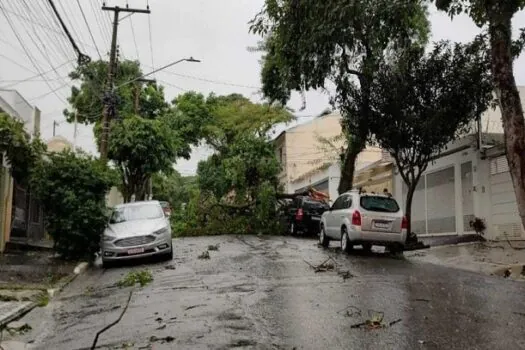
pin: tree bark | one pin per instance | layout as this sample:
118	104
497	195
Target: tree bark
348	166
408	207
500	30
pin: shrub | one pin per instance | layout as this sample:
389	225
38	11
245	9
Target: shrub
72	189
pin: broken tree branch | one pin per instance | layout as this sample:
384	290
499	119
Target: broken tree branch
113	323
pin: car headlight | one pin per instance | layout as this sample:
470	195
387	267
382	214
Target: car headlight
108	238
162	231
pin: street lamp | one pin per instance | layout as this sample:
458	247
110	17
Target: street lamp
191	59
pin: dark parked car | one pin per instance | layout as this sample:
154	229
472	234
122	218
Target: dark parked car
305	215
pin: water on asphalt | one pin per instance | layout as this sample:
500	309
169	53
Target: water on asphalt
261	293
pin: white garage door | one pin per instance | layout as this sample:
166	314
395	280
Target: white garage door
505	218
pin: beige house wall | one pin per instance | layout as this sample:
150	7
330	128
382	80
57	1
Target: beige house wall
58	144
301	151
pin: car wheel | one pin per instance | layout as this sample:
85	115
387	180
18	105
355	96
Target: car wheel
293	229
323	239
346	245
107	264
169	256
367	247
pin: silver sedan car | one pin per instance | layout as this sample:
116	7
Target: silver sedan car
136	230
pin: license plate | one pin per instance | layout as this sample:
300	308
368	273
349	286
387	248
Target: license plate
317	218
135	251
381	225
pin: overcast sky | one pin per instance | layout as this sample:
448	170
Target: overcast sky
213	31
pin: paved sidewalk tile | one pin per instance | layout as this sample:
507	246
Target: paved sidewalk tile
11	309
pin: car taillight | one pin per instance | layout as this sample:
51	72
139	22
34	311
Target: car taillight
299	214
404	223
356	218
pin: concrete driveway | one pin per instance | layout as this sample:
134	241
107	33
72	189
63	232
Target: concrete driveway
261	293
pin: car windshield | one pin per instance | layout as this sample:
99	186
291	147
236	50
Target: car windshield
136	212
378	203
310	204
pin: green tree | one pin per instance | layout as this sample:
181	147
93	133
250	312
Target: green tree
309	43
421	102
173	188
243	179
146	100
140	148
497	16
22	152
219	120
72	190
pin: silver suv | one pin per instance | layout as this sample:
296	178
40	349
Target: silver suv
364	219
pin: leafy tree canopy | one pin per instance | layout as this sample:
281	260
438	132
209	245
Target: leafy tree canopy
421	102
309	43
88	99
219	120
174	188
140	148
22	152
72	189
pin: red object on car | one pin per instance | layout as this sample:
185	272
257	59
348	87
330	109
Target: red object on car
299	215
404	223
356	218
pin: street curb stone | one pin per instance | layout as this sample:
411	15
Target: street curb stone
80	268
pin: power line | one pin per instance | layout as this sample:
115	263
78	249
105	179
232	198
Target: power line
104	35
210	80
172	85
150	38
82	58
42	48
89	29
134	38
27	52
59	41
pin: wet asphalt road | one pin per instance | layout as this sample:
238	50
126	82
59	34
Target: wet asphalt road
259	293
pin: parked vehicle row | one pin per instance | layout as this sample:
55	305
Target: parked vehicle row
364	219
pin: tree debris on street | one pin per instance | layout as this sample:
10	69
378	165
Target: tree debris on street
213	247
327	265
93	347
136	277
204	255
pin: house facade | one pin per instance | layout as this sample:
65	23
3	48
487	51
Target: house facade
469	179
310	155
21	216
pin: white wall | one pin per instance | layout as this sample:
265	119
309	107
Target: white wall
332	173
473	197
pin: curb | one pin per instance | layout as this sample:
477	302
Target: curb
446	246
80	268
18	314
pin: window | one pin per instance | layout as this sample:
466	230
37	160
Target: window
339	202
281	155
347	202
380	204
136	212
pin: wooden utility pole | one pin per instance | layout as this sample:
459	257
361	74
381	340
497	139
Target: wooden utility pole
109	98
55	124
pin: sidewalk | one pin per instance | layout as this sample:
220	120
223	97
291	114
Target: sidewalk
491	258
29	278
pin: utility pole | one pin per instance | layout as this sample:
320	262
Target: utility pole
109	98
55	124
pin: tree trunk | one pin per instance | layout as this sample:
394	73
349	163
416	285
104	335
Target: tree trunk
348	166
500	30
408	206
